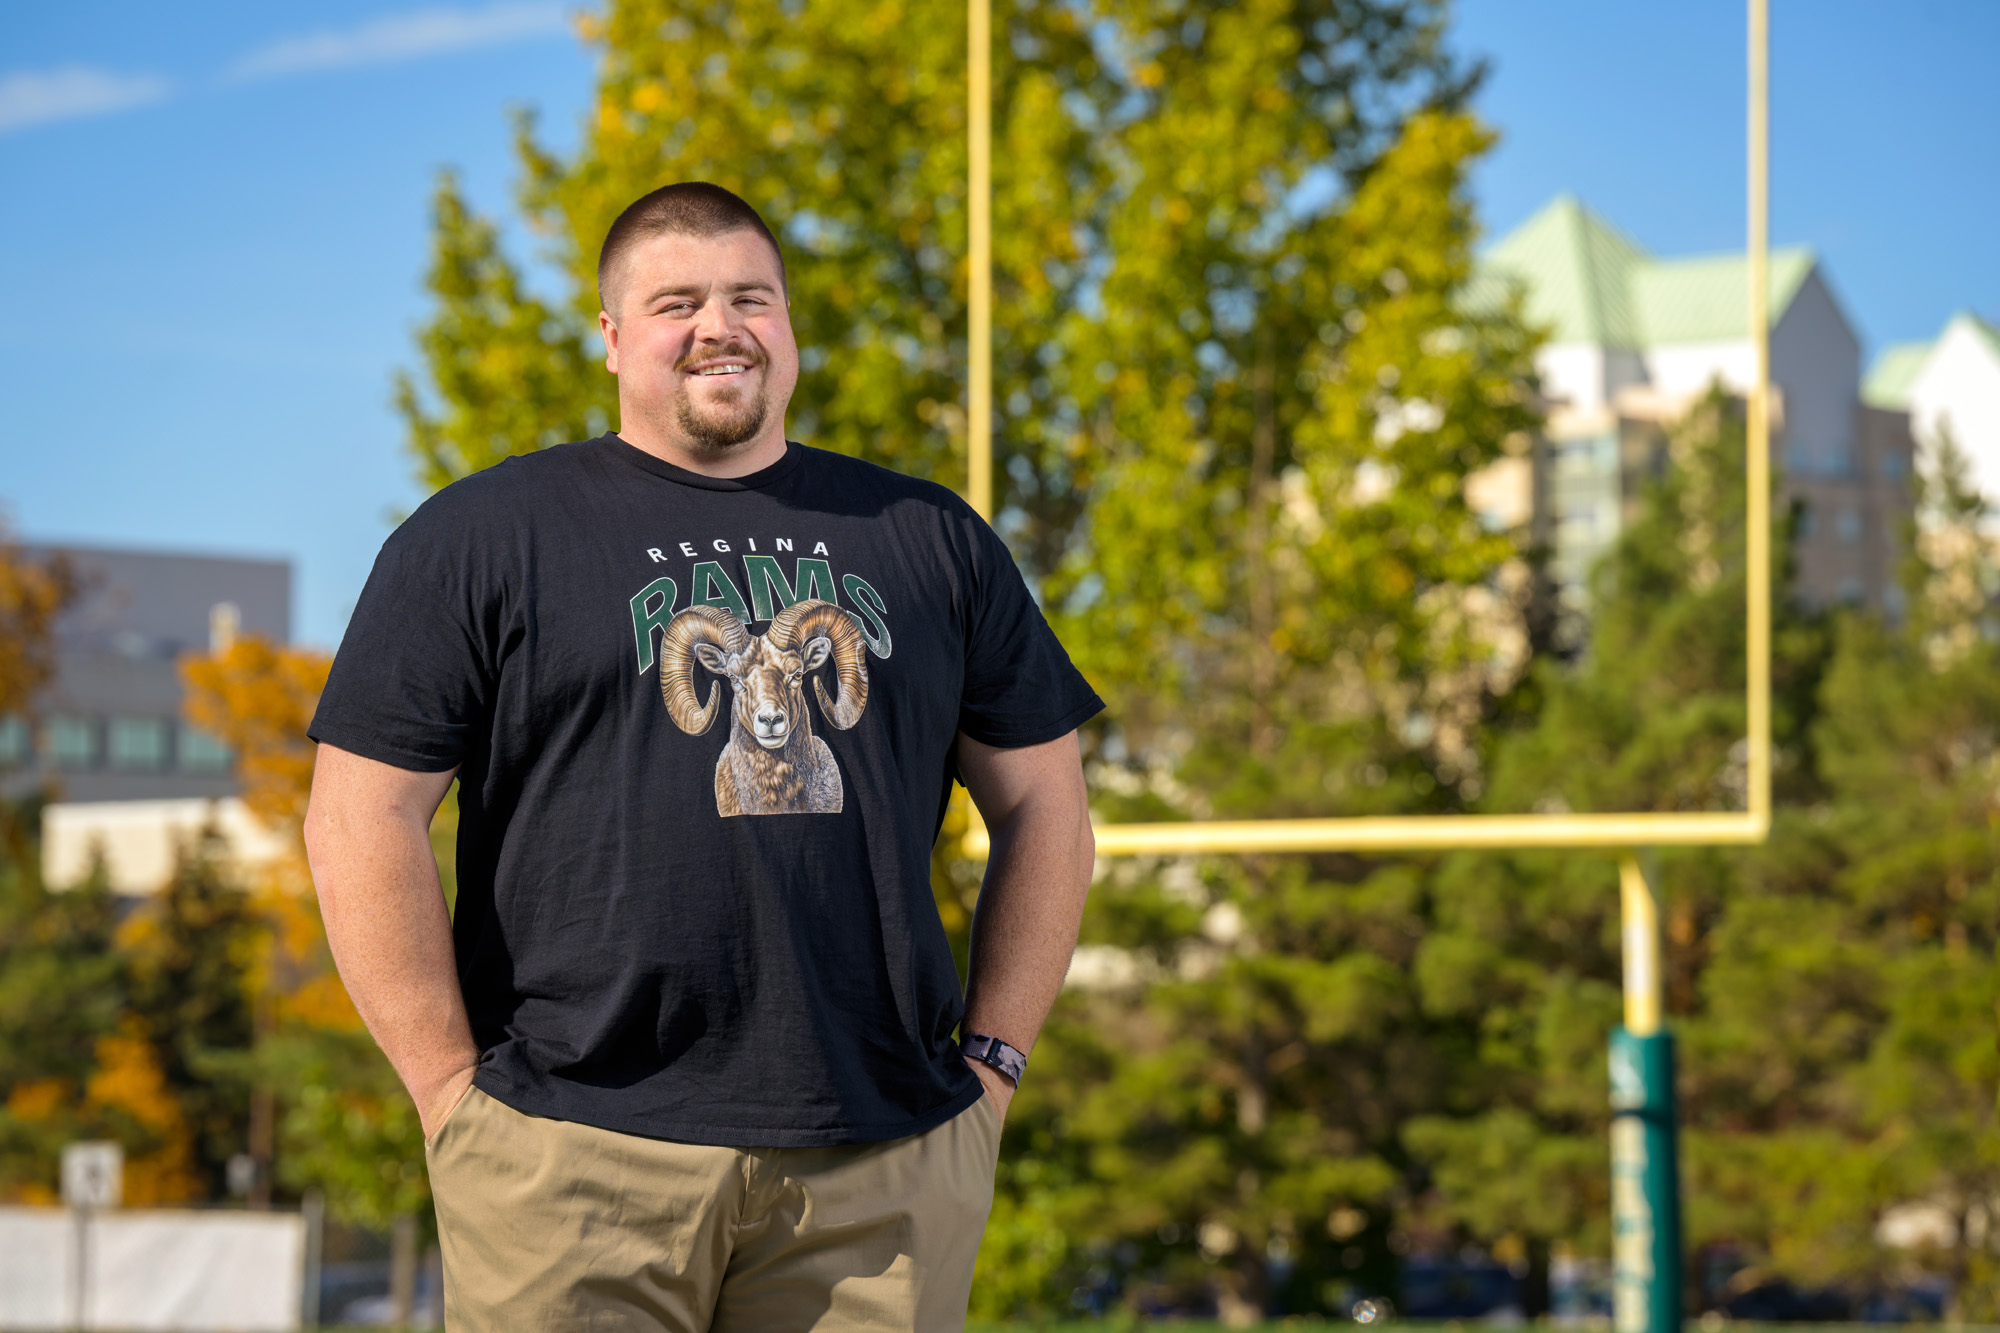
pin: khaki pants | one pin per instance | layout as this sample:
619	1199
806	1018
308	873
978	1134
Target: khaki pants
551	1226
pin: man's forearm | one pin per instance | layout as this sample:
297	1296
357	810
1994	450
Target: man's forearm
391	936
1030	907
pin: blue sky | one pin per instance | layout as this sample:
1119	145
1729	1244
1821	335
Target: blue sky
215	231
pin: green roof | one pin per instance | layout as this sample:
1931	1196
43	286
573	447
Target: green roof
1895	370
1589	283
1576	268
1704	299
1986	331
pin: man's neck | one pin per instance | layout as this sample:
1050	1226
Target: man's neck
753	455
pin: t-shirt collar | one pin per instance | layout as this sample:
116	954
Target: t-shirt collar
660	467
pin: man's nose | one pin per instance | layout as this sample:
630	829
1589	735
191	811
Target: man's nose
716	321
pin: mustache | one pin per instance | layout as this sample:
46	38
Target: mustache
709	351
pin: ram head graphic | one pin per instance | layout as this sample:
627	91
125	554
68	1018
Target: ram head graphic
773	764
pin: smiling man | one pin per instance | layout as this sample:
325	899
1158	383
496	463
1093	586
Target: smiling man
691	1052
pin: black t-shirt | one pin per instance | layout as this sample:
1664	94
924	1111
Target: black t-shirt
705	732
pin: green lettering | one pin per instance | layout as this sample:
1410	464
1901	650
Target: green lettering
766	579
713	588
821	586
873	613
644	622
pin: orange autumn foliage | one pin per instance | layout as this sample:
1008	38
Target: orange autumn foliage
129	1079
33	593
259	698
37	1099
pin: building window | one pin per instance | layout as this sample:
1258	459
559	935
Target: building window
1847	526
1808	520
70	742
138	744
16	742
202	753
1849	593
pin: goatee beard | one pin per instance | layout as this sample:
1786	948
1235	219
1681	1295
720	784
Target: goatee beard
722	430
730	421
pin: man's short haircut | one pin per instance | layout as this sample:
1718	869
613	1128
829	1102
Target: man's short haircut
686	208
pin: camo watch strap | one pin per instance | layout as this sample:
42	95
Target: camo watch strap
995	1052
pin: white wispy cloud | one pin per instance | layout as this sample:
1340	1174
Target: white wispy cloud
426	32
35	97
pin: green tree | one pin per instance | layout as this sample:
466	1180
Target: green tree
61	992
1834	991
1525	948
1841	1054
191	954
1910	744
847	127
1279	585
60	988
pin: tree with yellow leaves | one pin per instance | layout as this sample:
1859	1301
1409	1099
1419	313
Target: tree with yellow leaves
104	1028
33	593
343	1123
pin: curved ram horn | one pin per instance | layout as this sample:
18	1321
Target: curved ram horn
697	624
801	623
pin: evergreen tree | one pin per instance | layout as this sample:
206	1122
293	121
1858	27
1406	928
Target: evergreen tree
1526	947
61	992
1910	744
190	953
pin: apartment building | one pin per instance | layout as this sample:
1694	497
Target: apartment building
1635	340
1949	386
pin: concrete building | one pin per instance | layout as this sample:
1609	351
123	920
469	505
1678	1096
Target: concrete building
1634	340
1949	385
130	778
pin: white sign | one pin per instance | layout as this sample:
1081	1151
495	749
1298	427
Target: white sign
93	1175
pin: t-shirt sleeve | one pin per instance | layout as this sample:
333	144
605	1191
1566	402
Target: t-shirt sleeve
412	682
1020	686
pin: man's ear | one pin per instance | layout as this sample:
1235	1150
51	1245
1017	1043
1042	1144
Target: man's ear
606	327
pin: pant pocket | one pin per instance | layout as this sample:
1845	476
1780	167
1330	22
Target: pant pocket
986	1119
450	1118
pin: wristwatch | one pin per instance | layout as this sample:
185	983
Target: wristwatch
995	1052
